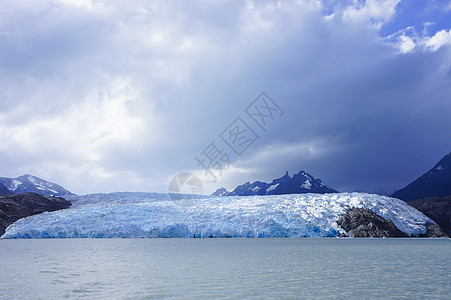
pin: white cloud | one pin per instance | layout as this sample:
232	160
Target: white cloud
406	44
84	134
408	39
100	120
440	39
258	16
79	3
374	12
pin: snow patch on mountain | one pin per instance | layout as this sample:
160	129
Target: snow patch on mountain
256	189
33	180
272	187
307	184
29	183
155	215
14	184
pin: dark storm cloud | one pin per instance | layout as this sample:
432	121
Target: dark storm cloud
112	96
375	126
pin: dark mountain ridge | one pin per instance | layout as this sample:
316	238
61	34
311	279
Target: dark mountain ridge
31	184
434	183
300	183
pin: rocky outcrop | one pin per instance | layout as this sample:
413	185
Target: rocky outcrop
361	222
438	209
434	231
364	223
15	207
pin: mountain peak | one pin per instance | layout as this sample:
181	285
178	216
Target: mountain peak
300	183
284	178
434	183
445	161
220	192
30	183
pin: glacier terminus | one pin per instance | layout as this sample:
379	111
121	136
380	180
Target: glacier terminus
153	215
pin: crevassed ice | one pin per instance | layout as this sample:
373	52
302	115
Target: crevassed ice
155	215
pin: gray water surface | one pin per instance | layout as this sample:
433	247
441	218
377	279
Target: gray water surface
225	268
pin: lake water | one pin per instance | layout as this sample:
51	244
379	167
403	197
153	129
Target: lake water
225	268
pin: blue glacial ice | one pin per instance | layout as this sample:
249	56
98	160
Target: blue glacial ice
156	215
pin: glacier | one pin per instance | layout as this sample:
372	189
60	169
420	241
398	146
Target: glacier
153	215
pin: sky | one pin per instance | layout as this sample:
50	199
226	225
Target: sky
105	96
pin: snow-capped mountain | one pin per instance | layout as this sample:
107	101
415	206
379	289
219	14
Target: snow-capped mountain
220	192
29	183
156	215
300	183
434	183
